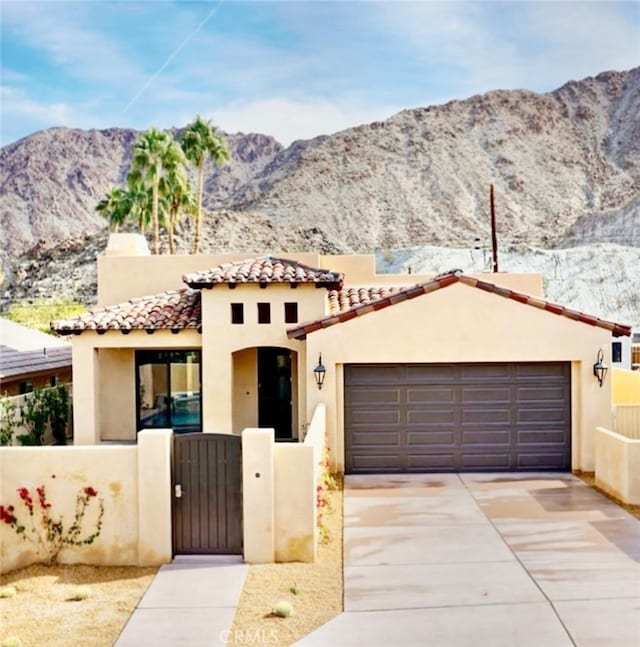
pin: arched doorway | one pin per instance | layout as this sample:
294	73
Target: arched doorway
266	390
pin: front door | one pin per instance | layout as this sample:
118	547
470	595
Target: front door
274	391
207	494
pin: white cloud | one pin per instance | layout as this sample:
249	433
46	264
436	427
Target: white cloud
288	120
535	45
70	35
16	103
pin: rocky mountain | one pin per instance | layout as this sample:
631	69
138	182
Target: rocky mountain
565	165
51	181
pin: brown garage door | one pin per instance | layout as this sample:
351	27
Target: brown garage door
457	417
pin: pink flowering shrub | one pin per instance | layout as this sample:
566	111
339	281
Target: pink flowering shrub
46	531
326	483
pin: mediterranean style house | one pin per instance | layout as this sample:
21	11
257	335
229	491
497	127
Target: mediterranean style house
455	372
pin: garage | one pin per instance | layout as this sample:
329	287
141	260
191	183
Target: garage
457	417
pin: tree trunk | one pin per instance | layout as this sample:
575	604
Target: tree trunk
154	215
172	245
198	234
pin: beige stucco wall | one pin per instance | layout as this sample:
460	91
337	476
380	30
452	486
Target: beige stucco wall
245	394
117	389
134	482
222	341
123	277
617	467
279	494
463	324
360	270
104	380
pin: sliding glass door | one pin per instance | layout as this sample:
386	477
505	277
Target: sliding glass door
168	390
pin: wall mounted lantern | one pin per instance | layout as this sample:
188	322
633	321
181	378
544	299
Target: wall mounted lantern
600	368
319	372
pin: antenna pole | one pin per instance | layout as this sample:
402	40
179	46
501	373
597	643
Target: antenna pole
494	237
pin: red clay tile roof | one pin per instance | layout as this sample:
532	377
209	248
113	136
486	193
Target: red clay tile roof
264	271
175	311
348	298
348	304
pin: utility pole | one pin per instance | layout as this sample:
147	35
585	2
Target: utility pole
494	238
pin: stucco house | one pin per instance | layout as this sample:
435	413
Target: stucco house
30	359
449	373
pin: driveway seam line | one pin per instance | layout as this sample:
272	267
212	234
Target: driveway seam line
526	570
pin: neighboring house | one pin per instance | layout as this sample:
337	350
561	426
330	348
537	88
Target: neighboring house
448	373
621	353
30	359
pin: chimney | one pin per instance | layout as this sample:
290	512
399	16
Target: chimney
129	244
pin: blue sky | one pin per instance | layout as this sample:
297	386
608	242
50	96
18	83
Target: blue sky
292	69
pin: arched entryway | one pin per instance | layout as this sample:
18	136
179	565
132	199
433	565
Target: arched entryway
265	383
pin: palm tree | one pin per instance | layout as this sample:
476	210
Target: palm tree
155	155
138	203
201	139
115	207
179	198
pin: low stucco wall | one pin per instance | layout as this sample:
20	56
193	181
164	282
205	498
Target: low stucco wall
625	386
626	420
618	465
133	481
279	483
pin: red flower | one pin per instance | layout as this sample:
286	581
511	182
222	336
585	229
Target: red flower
6	516
89	491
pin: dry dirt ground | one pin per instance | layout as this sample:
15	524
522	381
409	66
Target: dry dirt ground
42	612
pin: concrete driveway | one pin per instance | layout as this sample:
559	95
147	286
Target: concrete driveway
485	560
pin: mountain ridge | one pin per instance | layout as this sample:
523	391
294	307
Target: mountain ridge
565	165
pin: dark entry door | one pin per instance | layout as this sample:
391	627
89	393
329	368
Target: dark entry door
274	391
207	496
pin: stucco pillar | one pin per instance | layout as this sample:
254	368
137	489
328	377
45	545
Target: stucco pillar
154	497
258	498
85	384
217	388
295	502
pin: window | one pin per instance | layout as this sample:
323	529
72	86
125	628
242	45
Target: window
291	313
616	352
237	313
168	390
264	313
54	380
25	387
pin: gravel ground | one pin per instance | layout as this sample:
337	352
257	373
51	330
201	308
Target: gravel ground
313	590
43	613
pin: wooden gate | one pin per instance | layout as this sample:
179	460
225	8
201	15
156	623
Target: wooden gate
207	496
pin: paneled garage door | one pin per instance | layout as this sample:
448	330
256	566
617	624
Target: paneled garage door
457	417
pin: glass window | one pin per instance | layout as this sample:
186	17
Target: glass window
168	384
237	313
616	352
264	313
291	312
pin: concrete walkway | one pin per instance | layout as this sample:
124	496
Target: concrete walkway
190	602
499	560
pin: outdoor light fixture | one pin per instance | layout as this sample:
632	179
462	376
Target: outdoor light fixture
319	372
600	368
